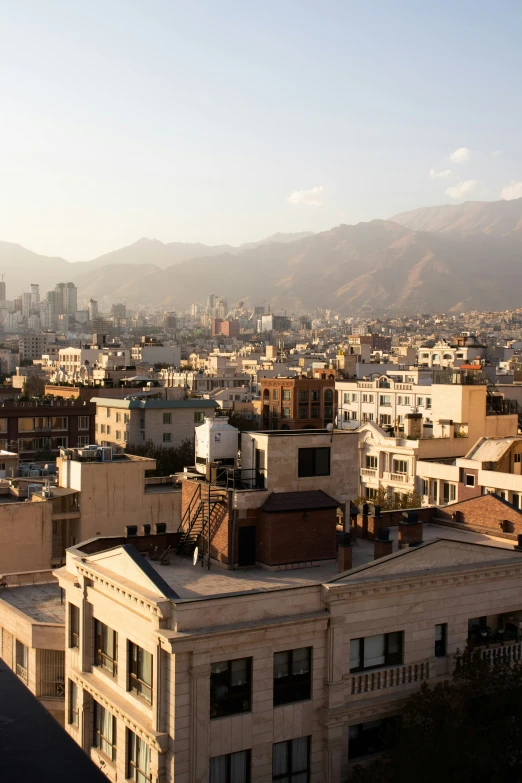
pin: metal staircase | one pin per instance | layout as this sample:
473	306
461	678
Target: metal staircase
197	517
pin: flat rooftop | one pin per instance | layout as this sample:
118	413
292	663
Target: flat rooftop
197	582
40	602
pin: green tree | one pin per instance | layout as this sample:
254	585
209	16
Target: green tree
468	730
406	500
34	386
168	460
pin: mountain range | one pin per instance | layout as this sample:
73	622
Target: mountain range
449	258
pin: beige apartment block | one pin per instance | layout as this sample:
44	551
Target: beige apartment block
32	635
93	497
176	673
140	419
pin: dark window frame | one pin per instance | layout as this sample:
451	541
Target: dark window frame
101	657
442	643
307	461
229	765
295	687
136	684
133	770
291	773
98	738
391	659
233	699
375	740
73	710
74	626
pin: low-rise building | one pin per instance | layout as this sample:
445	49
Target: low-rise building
298	403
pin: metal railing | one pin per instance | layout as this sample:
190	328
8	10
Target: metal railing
21	671
52	674
380	679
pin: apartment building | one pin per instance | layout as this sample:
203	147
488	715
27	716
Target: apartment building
32	346
150	351
443	354
32	636
30	427
141	418
459	414
298	403
96	494
174	673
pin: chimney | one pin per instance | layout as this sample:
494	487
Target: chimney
410	530
383	545
362	521
344	552
413	425
374	522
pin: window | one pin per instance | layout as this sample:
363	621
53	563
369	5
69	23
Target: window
83	422
108	413
371	461
420	401
22	661
59	443
385	419
140	672
118	417
365	739
275	394
125	436
354	398
516	500
470	480
108	429
231	768
285	413
313	462
105	648
370	652
52	674
292	675
82	440
328	396
517	458
303	395
385	399
449	492
303	412
371	493
399	400
59	422
3	425
286	394
441	633
370	398
315	395
425	488
73	712
400	466
126	418
118	434
315	413
354	415
407	401
167	418
199	417
167	437
291	761
138	758
102	428
74	626
230	687
346	397
428	402
104	734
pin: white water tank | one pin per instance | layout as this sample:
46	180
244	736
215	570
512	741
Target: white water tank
216	441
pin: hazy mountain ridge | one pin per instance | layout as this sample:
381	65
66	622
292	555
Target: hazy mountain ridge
468	259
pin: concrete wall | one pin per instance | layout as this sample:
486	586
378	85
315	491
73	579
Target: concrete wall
25	536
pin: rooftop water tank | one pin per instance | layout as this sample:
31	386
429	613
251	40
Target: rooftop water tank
216	441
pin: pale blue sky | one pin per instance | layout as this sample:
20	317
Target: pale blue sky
196	121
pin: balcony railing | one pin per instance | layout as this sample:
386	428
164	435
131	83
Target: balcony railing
510	651
368	682
22	672
368	472
402	478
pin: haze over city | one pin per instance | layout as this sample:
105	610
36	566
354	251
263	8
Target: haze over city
223	123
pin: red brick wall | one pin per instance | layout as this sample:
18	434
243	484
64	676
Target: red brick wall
292	538
486	511
464	492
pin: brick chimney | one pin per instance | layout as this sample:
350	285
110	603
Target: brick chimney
413	425
344	552
375	521
362	521
383	545
410	529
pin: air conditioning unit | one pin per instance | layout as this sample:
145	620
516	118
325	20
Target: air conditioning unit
104	454
87	453
160	527
146	530
131	531
32	489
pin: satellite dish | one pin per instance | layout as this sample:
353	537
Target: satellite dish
329	427
195	557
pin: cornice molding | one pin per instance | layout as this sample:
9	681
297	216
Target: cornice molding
124	593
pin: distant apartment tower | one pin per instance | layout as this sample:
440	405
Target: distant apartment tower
26	304
35	295
226	328
93	309
66	299
31	346
212	300
274	323
2	290
119	310
47	318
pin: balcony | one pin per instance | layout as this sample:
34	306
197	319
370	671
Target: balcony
370	472
392	677
399	478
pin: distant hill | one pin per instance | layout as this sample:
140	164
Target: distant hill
450	258
498	218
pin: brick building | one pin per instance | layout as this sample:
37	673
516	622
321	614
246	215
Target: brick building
297	403
28	427
228	328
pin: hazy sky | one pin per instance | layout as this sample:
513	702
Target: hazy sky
227	121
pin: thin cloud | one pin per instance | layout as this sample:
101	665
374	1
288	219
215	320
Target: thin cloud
461	155
308	198
511	191
496	153
463	189
447	174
